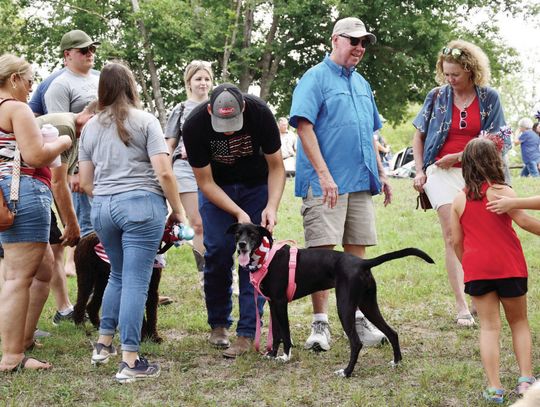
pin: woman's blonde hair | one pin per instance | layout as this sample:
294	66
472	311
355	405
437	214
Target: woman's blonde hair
117	93
469	56
194	67
11	64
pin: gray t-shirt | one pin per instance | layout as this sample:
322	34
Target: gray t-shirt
71	92
65	123
173	128
117	167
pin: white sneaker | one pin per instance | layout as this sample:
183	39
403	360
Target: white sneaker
319	340
367	332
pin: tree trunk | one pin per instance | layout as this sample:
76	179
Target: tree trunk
246	76
146	96
269	62
228	47
148	55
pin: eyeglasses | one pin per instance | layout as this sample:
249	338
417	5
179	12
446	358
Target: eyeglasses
454	52
357	40
30	81
86	50
462	122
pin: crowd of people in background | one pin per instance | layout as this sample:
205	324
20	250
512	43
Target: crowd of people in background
224	158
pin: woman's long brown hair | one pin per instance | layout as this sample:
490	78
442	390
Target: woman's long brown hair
481	162
117	93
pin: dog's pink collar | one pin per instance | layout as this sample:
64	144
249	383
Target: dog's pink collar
256	278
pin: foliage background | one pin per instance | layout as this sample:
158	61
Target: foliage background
267	43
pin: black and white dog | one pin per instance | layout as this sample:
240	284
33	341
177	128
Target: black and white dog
316	270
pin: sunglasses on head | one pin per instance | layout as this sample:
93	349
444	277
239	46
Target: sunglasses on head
357	40
454	52
462	122
86	50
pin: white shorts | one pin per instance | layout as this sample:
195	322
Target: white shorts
442	186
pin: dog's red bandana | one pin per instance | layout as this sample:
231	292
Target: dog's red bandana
256	278
259	255
159	260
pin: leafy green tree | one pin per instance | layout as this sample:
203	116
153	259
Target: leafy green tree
269	43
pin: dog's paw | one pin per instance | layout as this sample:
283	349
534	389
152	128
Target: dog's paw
270	355
393	364
284	358
340	373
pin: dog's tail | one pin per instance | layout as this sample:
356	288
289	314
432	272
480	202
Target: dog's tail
411	251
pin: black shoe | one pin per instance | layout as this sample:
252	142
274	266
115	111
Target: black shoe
58	318
142	370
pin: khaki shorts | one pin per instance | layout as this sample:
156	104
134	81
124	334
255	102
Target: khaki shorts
351	221
442	186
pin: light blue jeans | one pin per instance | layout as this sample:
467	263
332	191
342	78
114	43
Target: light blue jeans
130	226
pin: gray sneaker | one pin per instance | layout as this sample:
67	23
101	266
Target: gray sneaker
319	340
38	333
101	353
367	332
142	370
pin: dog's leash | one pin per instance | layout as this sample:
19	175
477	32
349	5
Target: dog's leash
256	280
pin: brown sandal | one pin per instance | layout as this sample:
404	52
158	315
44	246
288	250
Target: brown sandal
22	365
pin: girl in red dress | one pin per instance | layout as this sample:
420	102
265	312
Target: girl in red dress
493	263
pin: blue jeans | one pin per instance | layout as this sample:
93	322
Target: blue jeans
81	204
130	226
530	168
220	249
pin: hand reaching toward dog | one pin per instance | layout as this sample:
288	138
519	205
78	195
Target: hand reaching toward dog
268	219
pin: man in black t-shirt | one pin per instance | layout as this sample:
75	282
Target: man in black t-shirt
233	145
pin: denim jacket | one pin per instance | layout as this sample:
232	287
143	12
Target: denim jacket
435	117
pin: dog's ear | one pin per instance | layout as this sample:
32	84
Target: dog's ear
233	228
264	232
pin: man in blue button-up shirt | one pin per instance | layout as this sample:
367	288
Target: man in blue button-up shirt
338	169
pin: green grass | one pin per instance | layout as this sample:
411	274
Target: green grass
441	365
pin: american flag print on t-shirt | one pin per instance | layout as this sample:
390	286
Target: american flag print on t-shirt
227	151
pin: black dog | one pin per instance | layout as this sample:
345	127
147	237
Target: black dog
92	276
316	270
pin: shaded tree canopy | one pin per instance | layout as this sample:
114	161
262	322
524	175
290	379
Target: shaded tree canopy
266	43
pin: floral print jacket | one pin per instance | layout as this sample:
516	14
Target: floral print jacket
435	118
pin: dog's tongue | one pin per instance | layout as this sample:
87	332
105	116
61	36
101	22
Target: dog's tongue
243	259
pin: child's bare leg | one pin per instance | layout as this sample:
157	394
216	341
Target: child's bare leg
487	306
515	309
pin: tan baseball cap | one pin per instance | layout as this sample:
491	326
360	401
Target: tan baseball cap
353	27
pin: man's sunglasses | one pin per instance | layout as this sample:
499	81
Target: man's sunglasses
357	40
86	50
